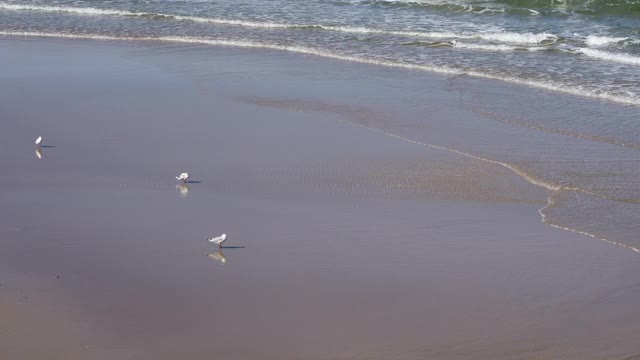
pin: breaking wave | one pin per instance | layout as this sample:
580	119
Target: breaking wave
629	8
594	40
611	56
508	37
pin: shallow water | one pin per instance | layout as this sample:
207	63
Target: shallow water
584	48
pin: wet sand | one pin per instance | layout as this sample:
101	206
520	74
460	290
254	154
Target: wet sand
348	243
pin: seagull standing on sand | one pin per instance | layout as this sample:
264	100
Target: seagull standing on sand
183	177
219	240
39	141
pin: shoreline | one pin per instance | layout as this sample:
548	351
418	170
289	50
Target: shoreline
356	245
524	174
440	70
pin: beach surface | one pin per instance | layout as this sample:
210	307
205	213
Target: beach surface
351	235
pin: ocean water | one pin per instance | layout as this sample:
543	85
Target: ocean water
587	48
577	123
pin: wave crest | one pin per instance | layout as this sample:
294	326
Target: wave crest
517	7
594	40
508	37
610	56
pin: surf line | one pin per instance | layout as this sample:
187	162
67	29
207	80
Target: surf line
555	189
548	86
511	37
550	202
496	117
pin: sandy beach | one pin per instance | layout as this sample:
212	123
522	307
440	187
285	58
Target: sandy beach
359	228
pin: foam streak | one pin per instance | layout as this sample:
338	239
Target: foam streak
611	56
516	38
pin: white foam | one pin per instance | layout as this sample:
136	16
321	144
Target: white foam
548	222
610	56
77	10
504	37
245	23
630	98
517	38
112	12
502	47
593	40
554	188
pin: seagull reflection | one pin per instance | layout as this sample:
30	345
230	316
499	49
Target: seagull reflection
184	189
39	153
218	256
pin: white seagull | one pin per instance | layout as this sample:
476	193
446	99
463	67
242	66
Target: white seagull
183	177
219	240
39	141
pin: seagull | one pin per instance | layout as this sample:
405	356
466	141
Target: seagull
219	256
183	177
219	240
39	141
